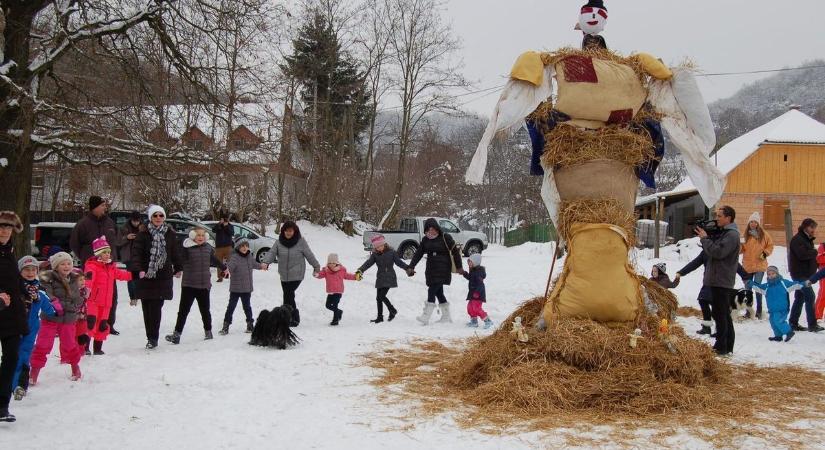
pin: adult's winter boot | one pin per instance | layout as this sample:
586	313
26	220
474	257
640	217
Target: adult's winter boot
424	318
706	324
98	348
207	335
393	312
378	319
76	372
151	345
173	338
225	329
6	416
250	325
445	313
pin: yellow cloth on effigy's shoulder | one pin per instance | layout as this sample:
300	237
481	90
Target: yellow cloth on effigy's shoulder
654	66
529	68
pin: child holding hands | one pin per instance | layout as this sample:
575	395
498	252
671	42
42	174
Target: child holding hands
334	274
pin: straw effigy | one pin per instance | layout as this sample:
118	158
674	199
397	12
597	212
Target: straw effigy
580	373
567	145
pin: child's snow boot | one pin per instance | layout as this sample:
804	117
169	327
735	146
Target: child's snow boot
33	373
76	372
473	323
445	313
424	318
775	338
225	329
19	393
487	323
98	348
250	325
6	416
207	335
173	338
789	336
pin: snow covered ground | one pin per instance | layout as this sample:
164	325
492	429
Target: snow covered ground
226	394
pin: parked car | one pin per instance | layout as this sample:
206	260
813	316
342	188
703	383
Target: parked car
411	230
259	244
49	238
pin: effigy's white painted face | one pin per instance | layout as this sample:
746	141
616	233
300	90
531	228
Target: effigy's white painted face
592	20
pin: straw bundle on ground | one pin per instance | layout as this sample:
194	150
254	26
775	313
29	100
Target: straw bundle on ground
607	210
567	145
579	373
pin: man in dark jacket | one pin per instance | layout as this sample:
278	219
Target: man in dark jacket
224	237
125	244
704	297
722	250
92	226
802	265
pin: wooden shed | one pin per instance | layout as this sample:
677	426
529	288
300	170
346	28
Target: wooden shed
776	168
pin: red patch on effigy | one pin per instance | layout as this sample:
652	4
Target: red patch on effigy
580	69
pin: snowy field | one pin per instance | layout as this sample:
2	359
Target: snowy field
226	394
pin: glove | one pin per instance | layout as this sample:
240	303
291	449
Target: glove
58	308
133	302
142	274
410	272
90	322
83	340
103	326
358	275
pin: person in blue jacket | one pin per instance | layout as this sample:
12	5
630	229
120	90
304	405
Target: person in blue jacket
36	301
776	292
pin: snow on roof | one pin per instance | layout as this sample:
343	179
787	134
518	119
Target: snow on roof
793	127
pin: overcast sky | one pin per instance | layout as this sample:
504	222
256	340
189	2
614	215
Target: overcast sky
718	35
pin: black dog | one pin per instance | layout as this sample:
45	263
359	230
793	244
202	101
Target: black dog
272	329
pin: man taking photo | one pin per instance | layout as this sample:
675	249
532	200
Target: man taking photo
722	250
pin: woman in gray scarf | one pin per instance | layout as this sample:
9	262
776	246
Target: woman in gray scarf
156	257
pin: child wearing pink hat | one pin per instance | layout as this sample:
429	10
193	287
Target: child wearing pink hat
101	273
384	257
334	274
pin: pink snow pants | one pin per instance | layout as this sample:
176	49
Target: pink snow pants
69	350
475	309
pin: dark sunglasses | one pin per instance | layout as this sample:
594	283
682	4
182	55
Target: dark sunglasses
6	225
158	215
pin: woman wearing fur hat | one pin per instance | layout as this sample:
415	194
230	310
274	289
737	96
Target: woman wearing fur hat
755	251
157	259
240	266
384	257
13	325
198	257
443	258
101	273
61	285
291	252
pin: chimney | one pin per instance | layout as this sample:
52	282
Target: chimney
794	107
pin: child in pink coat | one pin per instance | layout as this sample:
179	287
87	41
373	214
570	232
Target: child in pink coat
101	273
334	274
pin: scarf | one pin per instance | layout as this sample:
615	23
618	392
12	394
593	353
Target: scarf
157	253
30	291
296	236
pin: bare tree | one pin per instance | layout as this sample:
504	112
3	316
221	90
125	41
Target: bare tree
423	51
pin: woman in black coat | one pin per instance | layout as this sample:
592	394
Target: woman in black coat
13	320
443	256
157	258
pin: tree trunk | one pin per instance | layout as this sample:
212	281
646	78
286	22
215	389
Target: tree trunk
16	178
